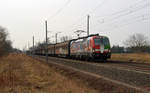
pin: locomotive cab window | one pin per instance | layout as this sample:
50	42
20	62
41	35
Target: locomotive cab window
98	41
106	41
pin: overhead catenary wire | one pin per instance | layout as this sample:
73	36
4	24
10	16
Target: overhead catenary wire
129	22
53	16
120	14
142	18
126	20
98	6
90	12
58	11
126	13
132	9
122	11
131	12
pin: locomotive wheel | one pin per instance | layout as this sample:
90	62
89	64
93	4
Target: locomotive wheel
87	59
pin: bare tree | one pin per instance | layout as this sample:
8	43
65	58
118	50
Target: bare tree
5	44
65	38
137	42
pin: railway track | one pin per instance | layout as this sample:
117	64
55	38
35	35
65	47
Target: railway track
129	66
137	67
134	74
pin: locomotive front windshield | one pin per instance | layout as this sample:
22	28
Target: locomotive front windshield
99	41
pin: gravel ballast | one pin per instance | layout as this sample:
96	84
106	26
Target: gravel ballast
130	77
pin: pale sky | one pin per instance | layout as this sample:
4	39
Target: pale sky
116	19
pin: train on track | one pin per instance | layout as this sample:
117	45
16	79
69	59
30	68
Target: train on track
87	48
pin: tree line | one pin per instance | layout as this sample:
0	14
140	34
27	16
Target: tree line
135	43
5	43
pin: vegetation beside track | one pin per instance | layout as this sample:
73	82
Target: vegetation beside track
132	57
22	74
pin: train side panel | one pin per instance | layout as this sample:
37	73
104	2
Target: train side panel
51	49
80	48
61	49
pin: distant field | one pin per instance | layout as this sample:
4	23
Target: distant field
22	74
138	57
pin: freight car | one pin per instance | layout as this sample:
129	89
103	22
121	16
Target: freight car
89	47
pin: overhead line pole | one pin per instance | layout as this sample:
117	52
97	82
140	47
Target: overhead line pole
56	37
33	41
46	50
88	24
28	45
33	45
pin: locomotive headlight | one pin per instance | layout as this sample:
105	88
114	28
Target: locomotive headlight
93	50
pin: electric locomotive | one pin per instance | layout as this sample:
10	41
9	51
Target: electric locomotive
91	47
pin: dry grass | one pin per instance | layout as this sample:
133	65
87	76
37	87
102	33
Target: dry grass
22	74
139	57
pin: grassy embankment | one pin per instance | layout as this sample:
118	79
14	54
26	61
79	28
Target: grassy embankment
22	74
135	57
